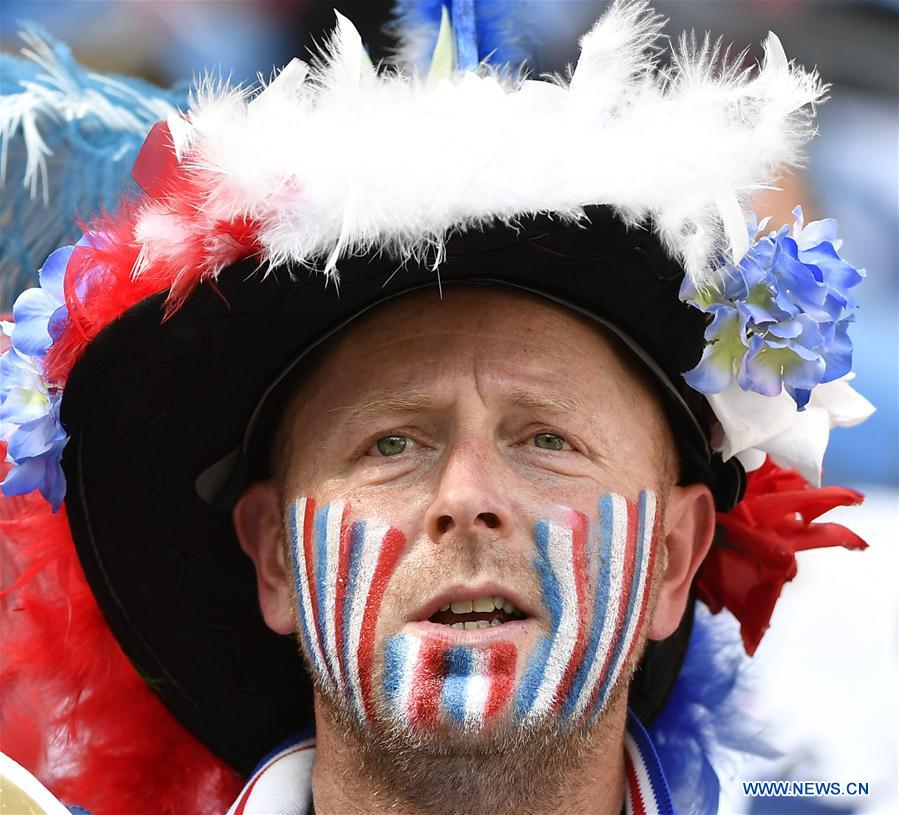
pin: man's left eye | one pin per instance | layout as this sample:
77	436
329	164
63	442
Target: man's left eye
549	441
389	446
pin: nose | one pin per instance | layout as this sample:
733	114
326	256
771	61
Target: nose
470	498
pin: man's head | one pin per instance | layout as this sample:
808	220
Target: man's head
486	445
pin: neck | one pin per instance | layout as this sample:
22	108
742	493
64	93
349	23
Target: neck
584	773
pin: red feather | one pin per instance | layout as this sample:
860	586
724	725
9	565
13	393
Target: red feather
73	710
747	568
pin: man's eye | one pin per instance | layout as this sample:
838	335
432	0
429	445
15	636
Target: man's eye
549	441
391	445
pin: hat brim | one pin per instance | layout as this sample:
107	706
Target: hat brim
154	404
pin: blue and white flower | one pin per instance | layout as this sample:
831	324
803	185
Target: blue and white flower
29	405
781	321
30	425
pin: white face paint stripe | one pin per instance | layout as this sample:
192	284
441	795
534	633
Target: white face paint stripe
646	518
619	535
368	561
413	649
559	546
335	519
306	598
477	690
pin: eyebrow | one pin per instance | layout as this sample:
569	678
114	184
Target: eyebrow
418	401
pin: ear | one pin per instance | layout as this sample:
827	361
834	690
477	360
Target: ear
257	521
689	529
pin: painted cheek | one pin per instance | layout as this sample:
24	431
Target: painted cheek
342	569
574	669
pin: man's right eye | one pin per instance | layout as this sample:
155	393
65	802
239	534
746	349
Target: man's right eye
389	446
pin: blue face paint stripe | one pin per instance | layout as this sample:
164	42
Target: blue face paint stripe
552	598
295	528
601	604
458	664
321	571
357	535
394	668
614	665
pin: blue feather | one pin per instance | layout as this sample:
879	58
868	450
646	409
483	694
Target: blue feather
69	140
703	717
501	31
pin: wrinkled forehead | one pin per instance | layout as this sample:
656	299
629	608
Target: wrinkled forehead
521	342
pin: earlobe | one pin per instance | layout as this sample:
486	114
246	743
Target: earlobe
687	535
257	521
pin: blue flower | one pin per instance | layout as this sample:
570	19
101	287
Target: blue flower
30	425
29	405
39	313
782	318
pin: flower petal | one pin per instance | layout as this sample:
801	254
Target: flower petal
52	274
845	405
751	459
816	233
749	419
801	447
31	312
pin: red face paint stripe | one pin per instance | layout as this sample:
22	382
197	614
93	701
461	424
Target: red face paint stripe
343	569
501	668
427	682
626	580
579	529
391	549
646	591
308	549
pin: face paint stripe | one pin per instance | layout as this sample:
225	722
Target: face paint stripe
365	558
458	667
303	552
591	665
294	527
621	566
501	668
426	680
395	678
352	616
340	596
328	589
629	622
549	588
647	531
390	550
477	689
579	560
318	586
566	630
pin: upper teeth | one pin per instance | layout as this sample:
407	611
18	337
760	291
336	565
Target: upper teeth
482	604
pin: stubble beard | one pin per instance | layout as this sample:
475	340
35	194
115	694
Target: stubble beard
512	768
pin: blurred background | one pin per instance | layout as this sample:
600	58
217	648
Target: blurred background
826	672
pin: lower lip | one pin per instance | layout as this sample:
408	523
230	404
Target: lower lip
469	637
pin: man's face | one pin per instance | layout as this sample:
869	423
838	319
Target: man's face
472	491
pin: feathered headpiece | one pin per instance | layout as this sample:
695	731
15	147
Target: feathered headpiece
338	159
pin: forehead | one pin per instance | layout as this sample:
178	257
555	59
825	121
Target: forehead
511	342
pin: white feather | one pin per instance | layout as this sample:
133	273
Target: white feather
348	161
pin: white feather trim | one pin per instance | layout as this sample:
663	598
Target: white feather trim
334	160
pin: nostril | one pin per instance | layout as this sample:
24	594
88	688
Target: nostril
489	519
444	522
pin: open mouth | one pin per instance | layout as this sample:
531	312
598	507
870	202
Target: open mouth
490	611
